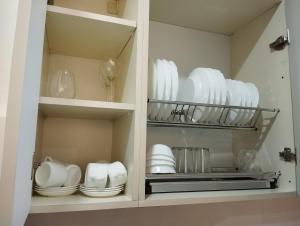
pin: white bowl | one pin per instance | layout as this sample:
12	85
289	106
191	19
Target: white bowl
159	162
160	169
160	157
160	149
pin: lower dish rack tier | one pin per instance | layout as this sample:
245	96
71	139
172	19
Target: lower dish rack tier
167	183
197	115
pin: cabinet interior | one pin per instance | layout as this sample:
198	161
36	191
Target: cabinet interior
79	37
230	35
240	51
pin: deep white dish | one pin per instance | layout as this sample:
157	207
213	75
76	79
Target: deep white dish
160	169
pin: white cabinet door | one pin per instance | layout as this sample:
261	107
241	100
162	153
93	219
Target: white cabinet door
293	18
21	117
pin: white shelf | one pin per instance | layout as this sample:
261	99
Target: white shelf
84	34
73	108
185	198
78	202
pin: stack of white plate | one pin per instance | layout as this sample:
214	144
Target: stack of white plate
163	85
55	191
101	192
160	159
207	86
241	94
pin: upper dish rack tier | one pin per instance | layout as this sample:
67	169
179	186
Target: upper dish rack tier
181	114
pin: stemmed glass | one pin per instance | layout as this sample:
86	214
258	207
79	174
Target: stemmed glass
108	70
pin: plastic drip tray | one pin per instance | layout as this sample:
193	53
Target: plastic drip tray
209	182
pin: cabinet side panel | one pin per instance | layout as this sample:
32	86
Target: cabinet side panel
253	61
19	141
293	18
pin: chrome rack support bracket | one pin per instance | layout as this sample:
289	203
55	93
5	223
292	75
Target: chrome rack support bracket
287	155
281	42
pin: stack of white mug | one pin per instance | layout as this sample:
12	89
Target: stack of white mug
104	179
54	178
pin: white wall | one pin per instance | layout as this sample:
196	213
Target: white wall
8	19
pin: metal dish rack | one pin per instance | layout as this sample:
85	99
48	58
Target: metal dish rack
182	113
210	182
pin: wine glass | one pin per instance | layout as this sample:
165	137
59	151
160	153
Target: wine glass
109	72
62	84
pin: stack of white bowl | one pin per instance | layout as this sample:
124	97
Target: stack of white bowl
104	179
160	159
54	178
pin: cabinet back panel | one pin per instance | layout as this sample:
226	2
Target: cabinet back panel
77	141
269	70
189	48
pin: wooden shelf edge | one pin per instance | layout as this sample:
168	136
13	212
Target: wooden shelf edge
190	198
91	16
85	103
75	203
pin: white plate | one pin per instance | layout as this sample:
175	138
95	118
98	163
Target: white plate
175	80
200	75
167	90
54	189
174	84
101	190
233	99
255	99
151	83
56	193
155	82
242	92
160	87
212	94
223	90
216	84
101	194
245	117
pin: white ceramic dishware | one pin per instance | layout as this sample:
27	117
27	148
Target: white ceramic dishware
57	193
151	162
73	175
167	89
160	88
116	188
151	84
51	174
234	98
100	194
96	175
160	149
160	157
157	169
255	100
117	174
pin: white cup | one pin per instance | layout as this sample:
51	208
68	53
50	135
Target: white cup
117	174
74	175
51	174
96	175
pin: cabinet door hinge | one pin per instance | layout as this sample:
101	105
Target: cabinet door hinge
281	42
287	155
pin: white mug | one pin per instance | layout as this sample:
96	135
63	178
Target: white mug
51	174
117	174
74	175
96	175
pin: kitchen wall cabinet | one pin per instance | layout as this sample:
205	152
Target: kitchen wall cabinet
230	35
